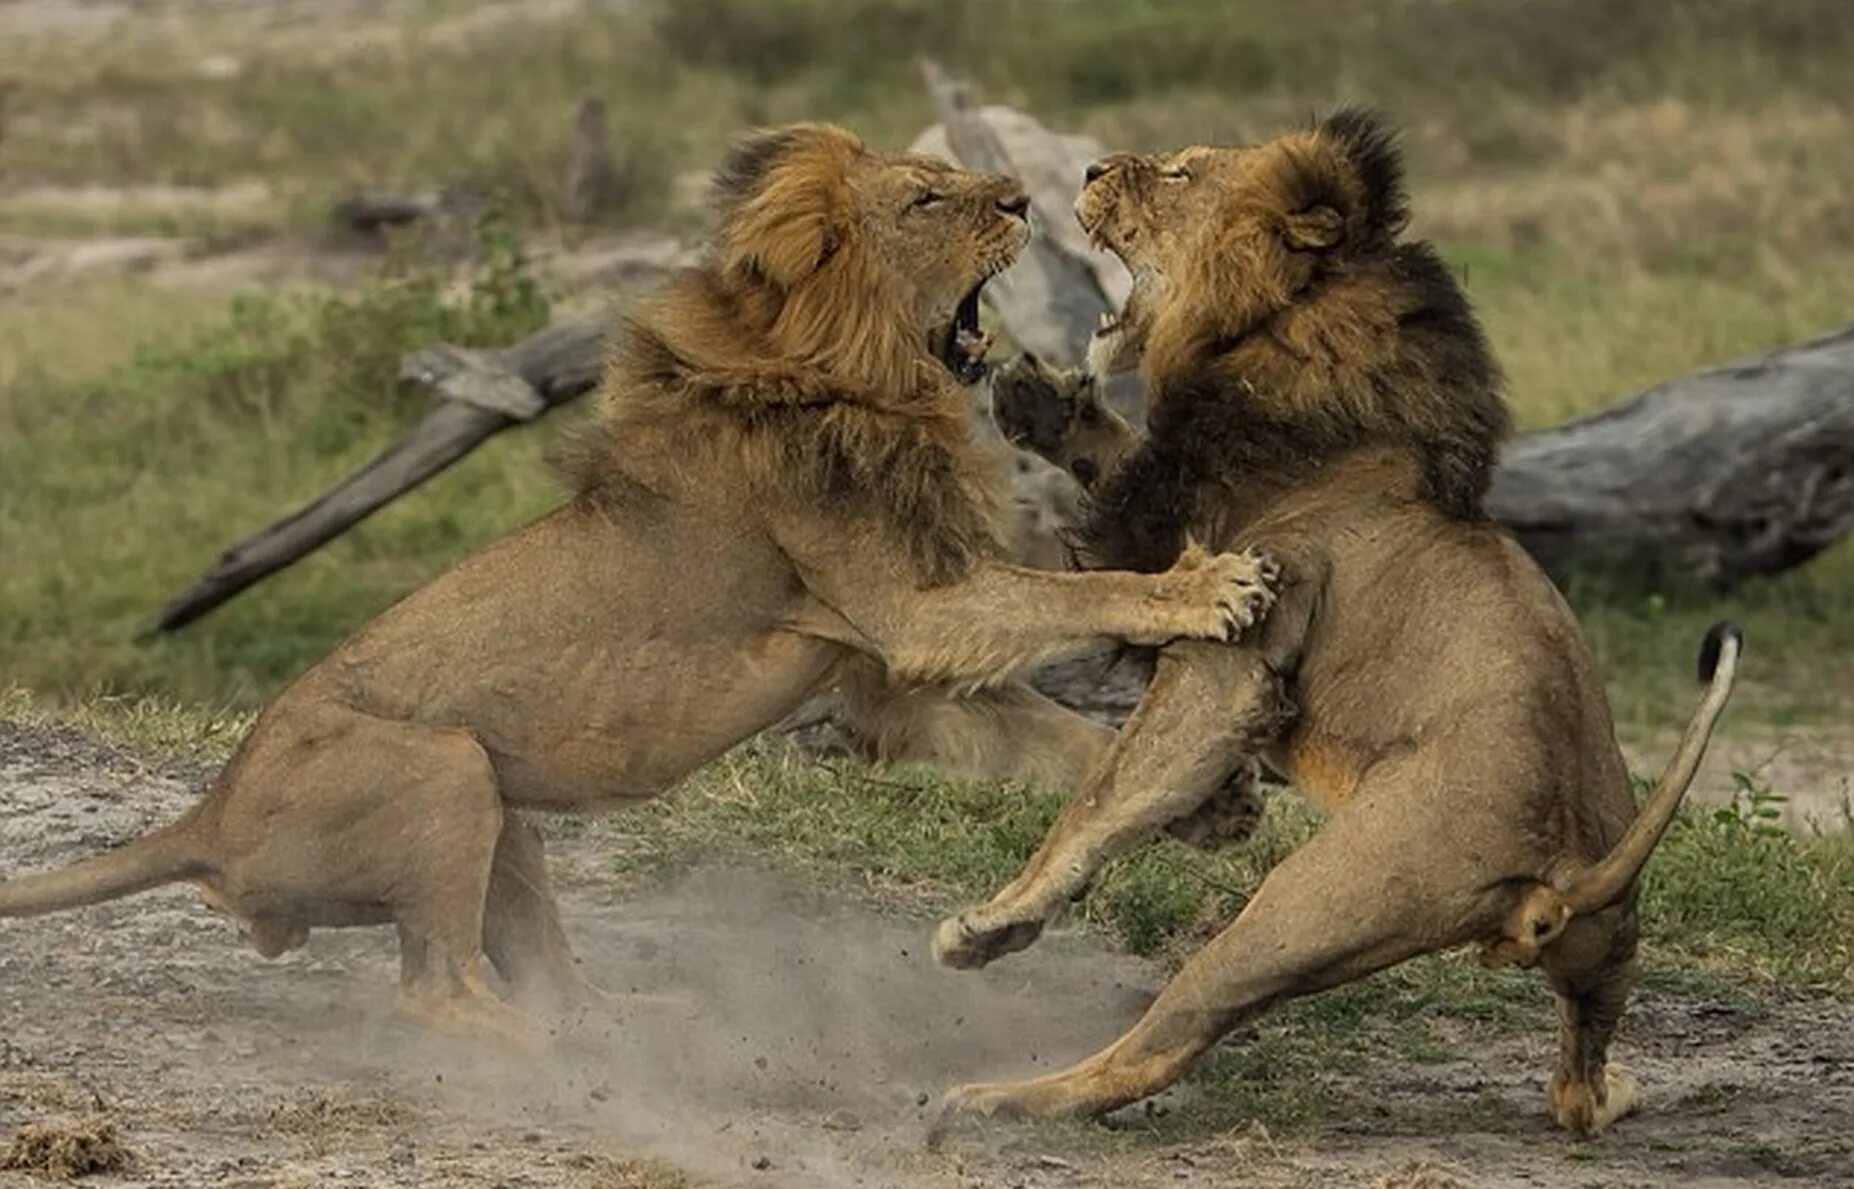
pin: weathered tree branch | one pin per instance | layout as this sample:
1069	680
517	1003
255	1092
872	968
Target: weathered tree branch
484	393
1742	470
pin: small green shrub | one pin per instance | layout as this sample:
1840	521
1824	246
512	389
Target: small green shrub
1731	887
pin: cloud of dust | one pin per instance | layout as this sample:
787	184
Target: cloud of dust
763	1022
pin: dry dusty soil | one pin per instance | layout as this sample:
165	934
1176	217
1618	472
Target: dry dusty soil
769	1036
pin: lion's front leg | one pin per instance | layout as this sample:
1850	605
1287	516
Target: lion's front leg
1060	416
1002	619
998	619
1207	710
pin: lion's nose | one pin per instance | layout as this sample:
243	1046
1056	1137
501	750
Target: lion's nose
1095	171
1015	204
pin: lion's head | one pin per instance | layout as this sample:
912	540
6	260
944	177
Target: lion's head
1220	238
860	263
811	348
1274	292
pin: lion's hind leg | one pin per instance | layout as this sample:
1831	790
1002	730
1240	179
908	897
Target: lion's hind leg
1208	709
522	932
449	813
1587	1093
1357	898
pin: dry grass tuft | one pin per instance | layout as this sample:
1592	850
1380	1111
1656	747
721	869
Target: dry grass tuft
67	1147
1647	184
605	1172
1421	1174
318	1114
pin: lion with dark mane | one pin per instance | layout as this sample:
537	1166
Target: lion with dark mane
782	495
1318	389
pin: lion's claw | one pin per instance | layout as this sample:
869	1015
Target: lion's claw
1238	587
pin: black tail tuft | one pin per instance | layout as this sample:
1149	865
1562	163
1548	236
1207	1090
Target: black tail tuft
1714	644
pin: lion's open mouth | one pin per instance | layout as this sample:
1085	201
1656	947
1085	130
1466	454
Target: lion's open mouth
961	346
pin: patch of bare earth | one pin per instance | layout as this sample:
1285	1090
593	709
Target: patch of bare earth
765	1036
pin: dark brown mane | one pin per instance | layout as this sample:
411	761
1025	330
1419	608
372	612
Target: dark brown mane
1384	353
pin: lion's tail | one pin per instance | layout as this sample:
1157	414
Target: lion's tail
163	856
1603	883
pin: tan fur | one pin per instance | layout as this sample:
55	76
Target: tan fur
1317	388
781	495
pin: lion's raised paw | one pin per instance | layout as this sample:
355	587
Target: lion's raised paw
1218	596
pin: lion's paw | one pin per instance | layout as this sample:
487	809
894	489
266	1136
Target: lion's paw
961	1108
981	1100
1058	1096
1035	406
1576	1107
963	943
1219	596
1228	816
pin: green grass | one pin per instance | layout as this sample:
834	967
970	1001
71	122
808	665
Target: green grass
1727	893
124	484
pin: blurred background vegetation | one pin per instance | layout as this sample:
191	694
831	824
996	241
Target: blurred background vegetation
1630	188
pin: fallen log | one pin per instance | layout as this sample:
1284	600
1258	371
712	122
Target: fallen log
1730	473
375	211
1733	472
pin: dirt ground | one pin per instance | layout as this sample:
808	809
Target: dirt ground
769	1037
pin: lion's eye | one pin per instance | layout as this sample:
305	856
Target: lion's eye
1176	173
927	198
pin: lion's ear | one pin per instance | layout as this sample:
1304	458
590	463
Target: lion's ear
1366	183
785	204
1315	229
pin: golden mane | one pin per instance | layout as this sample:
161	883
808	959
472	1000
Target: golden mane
789	355
1265	361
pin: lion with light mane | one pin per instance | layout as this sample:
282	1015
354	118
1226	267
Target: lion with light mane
782	494
1318	389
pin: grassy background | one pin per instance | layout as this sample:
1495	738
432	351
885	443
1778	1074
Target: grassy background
1631	189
